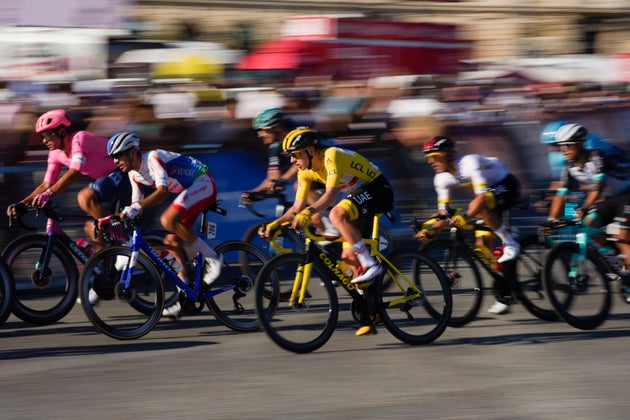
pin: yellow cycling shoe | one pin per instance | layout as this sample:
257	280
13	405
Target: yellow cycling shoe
365	330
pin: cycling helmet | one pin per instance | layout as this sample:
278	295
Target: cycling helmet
51	120
122	141
571	134
268	119
438	144
299	139
548	134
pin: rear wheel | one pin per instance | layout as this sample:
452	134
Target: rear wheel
463	276
529	269
235	307
45	291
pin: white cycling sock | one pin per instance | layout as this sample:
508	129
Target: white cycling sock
505	236
363	254
201	246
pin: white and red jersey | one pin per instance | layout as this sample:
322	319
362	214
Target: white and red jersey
88	155
476	171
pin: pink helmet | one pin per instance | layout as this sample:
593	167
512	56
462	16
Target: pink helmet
51	120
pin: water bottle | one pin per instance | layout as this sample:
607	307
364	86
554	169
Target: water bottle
86	246
486	255
170	260
497	253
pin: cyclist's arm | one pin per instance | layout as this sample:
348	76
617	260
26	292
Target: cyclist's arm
156	198
326	200
65	181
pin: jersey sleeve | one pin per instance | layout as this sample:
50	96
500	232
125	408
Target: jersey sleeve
157	169
53	168
471	167
78	153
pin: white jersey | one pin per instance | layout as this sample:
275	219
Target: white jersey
476	171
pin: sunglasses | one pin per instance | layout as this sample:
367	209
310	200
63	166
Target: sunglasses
48	136
296	154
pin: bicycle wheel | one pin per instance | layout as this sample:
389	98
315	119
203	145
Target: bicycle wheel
412	317
7	291
463	275
300	328
529	269
43	295
289	240
577	287
115	313
234	307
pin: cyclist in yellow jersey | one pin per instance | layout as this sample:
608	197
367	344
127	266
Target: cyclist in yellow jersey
340	170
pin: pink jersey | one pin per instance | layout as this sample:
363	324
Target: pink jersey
88	156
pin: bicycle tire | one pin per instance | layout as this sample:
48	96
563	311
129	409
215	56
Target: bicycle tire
113	314
7	291
41	298
235	307
529	269
420	321
302	329
464	278
581	298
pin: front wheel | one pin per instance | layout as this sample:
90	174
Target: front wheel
7	291
233	304
45	285
577	285
298	326
112	306
417	307
463	275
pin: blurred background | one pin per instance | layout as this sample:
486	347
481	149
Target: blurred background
381	77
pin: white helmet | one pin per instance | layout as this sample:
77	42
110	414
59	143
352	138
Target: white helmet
122	141
571	134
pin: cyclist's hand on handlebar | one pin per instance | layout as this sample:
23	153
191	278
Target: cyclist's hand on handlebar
42	199
303	218
266	231
245	199
425	235
132	211
15	209
460	220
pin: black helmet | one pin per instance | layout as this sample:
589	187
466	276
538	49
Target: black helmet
438	144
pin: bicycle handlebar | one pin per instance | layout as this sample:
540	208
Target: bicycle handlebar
48	210
253	196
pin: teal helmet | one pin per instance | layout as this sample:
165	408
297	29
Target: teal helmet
268	118
548	134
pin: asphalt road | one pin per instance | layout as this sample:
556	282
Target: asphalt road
498	367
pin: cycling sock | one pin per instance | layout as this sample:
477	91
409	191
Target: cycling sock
505	236
363	254
205	250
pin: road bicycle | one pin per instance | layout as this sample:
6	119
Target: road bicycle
415	308
46	266
130	284
578	275
460	257
7	291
